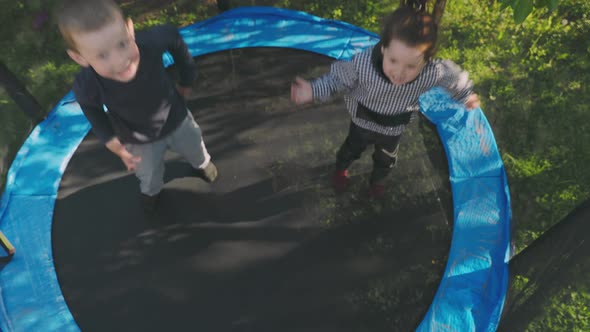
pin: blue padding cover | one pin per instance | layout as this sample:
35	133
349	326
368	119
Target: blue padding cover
471	294
473	288
31	296
274	27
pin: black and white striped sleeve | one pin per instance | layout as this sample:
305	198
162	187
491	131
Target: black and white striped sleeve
455	80
342	78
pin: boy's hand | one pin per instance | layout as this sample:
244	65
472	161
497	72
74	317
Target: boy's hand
184	90
119	149
472	101
301	92
129	160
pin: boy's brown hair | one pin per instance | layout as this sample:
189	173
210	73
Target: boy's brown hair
84	16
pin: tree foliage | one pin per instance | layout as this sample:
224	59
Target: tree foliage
523	8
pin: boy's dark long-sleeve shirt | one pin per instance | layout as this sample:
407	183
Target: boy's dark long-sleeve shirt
146	108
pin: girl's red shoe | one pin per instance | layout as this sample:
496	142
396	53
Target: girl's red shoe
376	191
340	181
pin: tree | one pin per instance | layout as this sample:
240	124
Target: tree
522	8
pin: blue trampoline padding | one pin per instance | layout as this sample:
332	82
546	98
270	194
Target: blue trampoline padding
31	296
275	27
472	291
471	294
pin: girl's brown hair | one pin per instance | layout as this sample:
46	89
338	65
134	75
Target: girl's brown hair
412	25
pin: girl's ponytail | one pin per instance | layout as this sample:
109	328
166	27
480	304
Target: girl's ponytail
420	6
439	9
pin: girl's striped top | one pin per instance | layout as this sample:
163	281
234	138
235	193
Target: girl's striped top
363	83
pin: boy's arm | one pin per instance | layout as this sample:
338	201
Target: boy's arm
99	121
343	76
179	51
101	126
86	91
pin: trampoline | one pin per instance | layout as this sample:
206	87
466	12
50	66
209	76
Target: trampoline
267	247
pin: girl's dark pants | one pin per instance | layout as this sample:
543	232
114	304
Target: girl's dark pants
384	155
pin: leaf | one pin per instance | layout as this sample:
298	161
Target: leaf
522	9
508	3
550	4
34	4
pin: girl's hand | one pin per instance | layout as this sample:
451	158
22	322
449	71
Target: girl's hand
472	101
301	92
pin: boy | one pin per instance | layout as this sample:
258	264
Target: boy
146	113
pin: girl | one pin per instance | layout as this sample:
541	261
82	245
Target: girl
381	86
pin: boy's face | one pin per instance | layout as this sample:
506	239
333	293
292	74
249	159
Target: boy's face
111	51
402	63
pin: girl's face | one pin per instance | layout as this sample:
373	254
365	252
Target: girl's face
402	63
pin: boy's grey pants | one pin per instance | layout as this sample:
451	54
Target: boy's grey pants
185	140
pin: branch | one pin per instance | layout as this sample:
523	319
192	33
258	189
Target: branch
19	93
